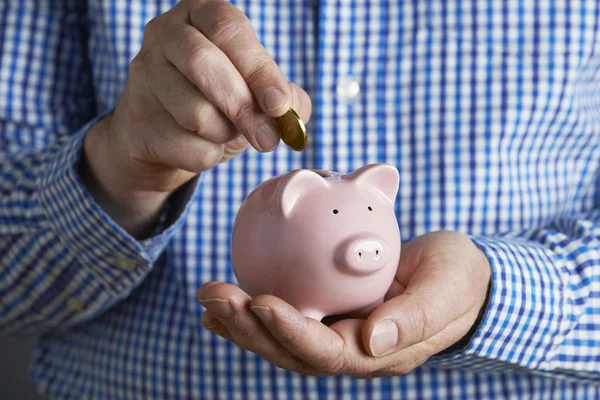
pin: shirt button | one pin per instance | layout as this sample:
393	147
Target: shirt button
74	304
348	88
126	264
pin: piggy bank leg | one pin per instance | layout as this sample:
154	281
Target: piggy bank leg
367	310
311	313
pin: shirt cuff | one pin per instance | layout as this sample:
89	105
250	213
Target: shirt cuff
522	321
115	258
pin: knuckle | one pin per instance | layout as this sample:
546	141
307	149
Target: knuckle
227	23
242	110
137	64
423	321
261	67
294	328
152	28
243	325
230	138
418	362
196	119
196	59
237	142
229	29
210	157
335	364
399	369
297	366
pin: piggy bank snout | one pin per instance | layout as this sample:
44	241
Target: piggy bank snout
362	255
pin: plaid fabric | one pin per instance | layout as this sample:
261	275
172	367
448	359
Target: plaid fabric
489	109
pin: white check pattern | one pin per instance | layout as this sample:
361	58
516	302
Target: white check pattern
490	110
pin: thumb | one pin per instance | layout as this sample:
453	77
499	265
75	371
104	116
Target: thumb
406	320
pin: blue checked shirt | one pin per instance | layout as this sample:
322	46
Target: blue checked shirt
490	110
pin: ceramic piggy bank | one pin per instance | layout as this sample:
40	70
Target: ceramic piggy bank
326	243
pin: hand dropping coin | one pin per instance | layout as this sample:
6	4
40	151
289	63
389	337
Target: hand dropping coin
293	131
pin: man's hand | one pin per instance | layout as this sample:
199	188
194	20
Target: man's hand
201	88
439	290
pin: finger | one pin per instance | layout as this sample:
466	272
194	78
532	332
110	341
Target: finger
406	360
208	320
425	308
338	350
205	286
229	305
301	103
234	148
188	106
334	350
179	148
222	331
306	338
209	69
211	323
230	30
395	290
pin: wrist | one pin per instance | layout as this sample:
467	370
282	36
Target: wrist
110	180
486	283
465	341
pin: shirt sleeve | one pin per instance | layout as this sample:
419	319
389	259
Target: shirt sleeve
543	311
62	259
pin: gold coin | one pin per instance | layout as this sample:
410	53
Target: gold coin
293	131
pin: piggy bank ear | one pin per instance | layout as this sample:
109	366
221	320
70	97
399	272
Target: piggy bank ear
291	188
383	177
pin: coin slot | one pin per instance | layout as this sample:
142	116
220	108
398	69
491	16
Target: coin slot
322	173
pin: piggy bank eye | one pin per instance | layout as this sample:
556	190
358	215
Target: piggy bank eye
335	211
370	209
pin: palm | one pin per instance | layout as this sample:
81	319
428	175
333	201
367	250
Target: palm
427	258
435	298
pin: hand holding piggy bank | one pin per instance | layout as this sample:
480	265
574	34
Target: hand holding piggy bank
325	243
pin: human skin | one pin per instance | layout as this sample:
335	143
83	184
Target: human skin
200	90
438	292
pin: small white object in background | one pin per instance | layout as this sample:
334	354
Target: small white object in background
348	88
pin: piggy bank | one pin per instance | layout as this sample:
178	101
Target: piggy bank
327	244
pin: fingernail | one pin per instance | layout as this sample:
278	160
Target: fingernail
384	337
264	313
210	326
267	137
219	307
274	98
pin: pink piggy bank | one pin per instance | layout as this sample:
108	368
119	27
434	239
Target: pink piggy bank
325	243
